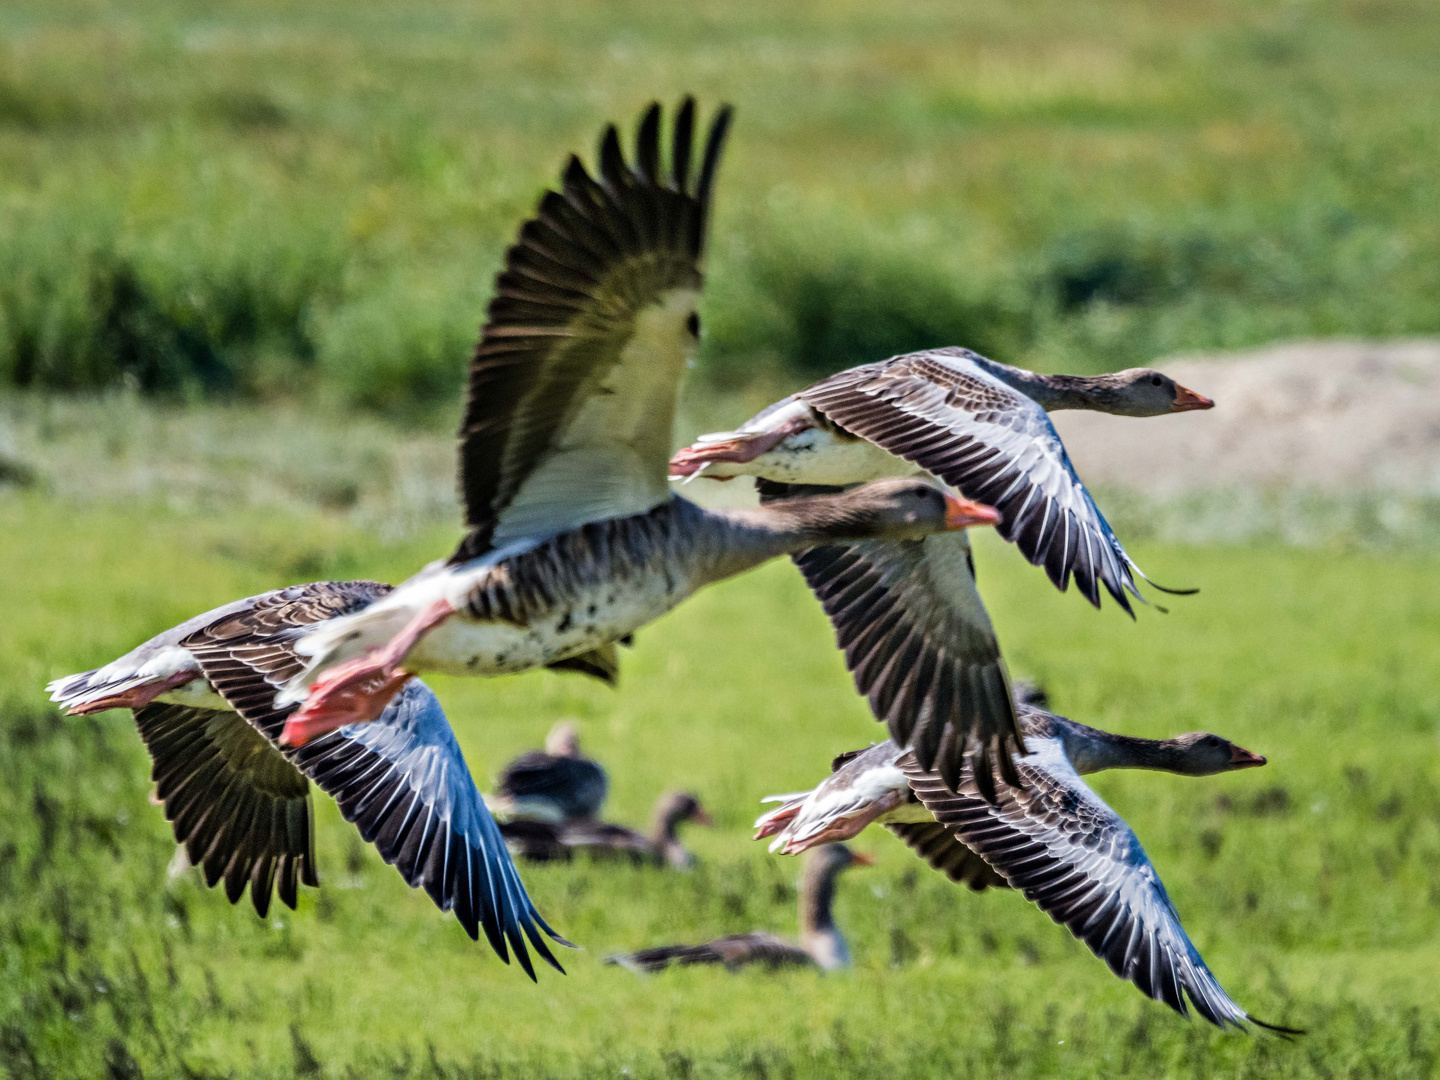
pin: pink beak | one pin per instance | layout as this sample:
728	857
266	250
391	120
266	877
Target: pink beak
962	513
1188	400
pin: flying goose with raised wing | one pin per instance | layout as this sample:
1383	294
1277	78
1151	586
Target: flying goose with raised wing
202	694
575	539
1053	838
978	425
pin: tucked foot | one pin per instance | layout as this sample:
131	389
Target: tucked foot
358	690
136	697
734	451
349	693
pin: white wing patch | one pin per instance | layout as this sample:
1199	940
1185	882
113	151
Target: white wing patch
612	458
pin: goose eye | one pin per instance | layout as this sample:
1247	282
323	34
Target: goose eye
1155	380
693	324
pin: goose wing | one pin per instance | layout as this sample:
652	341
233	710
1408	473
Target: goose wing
937	845
400	778
404	783
945	414
920	645
572	388
1056	840
241	810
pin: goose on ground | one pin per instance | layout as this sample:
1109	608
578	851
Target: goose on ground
821	943
978	425
239	803
555	785
575	539
549	841
1054	839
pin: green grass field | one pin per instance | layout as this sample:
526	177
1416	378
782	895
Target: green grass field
1312	886
287	198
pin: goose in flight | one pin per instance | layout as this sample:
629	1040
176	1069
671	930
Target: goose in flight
978	425
203	697
1054	839
575	539
821	944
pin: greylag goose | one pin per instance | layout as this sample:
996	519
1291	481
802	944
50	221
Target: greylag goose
821	943
555	785
1054	839
548	841
575	539
240	804
978	425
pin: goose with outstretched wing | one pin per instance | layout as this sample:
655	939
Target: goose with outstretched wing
202	694
575	539
1053	838
978	425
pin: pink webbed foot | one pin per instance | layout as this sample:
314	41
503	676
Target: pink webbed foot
358	690
737	451
349	693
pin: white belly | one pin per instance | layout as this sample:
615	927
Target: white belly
463	645
816	456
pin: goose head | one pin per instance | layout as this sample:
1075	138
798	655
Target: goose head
881	510
563	740
674	809
1202	753
1144	392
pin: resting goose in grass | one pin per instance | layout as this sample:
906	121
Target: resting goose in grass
553	785
575	539
821	943
549	841
203	697
1055	839
978	425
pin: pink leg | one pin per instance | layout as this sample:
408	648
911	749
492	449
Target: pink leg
136	697
358	690
736	451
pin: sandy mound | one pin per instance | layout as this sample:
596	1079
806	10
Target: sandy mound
1337	416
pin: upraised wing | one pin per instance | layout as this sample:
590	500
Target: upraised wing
1077	859
945	414
572	388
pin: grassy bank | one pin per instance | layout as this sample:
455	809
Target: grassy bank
1310	886
273	198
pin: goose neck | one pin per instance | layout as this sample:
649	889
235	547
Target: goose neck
1092	750
1051	392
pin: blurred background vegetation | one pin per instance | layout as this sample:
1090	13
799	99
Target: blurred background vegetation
278	199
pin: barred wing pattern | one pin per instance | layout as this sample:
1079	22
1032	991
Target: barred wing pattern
1072	855
404	783
400	778
943	413
241	810
920	645
572	388
937	845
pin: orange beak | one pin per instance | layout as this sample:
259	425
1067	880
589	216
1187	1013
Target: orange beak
1240	758
702	817
962	513
1188	400
859	858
